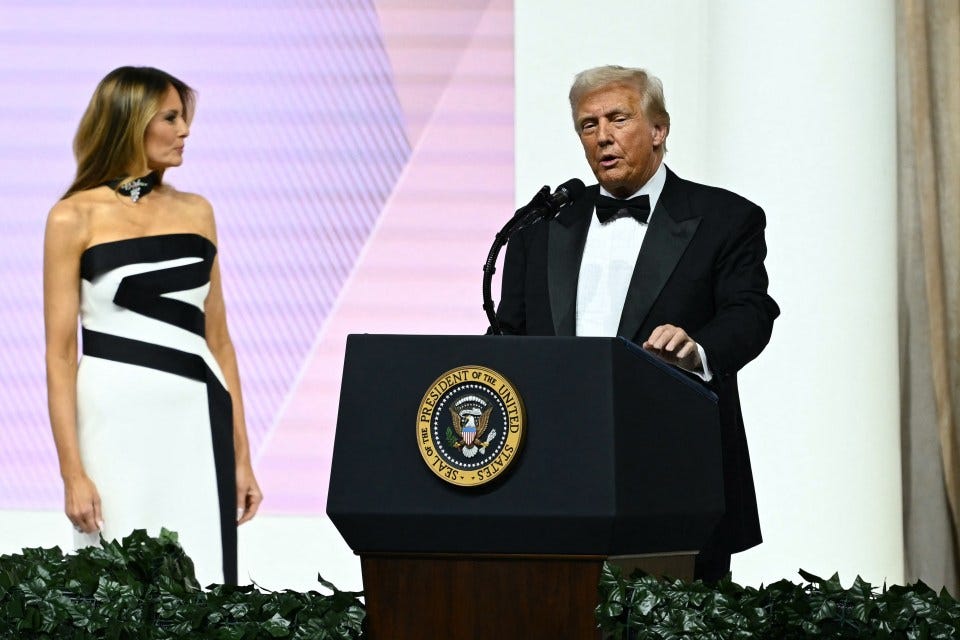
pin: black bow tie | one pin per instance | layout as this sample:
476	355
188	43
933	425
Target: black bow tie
637	208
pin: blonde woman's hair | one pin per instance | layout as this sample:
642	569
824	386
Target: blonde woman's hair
109	144
647	85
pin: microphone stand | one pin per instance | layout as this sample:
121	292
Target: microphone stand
521	218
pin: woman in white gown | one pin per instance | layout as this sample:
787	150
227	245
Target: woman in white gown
147	433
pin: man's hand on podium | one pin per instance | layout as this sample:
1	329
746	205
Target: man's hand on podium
672	344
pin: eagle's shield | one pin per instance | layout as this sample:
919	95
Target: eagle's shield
469	432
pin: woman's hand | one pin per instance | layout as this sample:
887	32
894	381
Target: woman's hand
83	504
249	495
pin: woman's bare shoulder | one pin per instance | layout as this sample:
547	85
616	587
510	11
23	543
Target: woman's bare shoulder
195	206
70	217
192	204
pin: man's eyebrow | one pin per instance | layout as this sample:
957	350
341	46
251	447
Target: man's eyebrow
609	114
617	111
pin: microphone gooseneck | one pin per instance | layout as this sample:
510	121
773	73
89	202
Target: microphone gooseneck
543	206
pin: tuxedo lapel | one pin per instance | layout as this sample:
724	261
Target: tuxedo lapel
567	235
671	228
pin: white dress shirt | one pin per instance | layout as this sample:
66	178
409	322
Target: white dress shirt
609	258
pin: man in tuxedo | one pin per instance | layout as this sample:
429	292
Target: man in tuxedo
670	264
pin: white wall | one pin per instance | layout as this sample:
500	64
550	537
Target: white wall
791	104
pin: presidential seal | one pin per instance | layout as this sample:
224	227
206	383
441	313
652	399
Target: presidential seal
470	425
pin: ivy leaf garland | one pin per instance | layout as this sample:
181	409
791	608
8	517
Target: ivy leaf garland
642	607
143	587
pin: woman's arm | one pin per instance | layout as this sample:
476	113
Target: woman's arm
249	495
64	241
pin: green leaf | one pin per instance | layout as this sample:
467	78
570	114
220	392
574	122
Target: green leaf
277	626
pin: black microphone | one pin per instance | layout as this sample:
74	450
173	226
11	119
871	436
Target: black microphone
567	193
544	206
550	205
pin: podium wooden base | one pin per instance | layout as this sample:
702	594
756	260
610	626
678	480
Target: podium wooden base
458	597
412	597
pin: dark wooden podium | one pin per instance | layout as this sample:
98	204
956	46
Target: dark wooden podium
621	460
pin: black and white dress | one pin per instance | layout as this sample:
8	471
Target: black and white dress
154	417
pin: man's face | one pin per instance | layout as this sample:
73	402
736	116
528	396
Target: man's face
622	147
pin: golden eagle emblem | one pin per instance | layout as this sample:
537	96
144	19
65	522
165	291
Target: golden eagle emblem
471	416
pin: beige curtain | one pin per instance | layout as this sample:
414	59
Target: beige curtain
928	110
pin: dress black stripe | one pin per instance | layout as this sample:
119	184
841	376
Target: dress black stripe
192	366
143	294
107	256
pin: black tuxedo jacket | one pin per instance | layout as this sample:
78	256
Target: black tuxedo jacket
700	268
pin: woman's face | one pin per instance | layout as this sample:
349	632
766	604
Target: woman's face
166	132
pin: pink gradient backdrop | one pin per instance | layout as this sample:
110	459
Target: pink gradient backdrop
359	156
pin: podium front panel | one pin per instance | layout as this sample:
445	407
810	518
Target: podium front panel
619	456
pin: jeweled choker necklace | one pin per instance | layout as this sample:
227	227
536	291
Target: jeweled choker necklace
135	189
